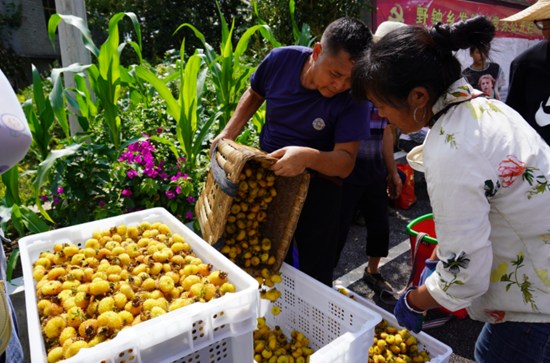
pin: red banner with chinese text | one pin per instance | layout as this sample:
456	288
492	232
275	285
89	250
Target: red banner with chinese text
422	12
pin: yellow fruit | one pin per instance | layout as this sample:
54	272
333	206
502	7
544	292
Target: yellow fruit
110	319
88	329
67	333
99	287
275	310
54	327
55	355
75	348
227	288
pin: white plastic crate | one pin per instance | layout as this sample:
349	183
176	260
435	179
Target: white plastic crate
184	335
439	352
338	329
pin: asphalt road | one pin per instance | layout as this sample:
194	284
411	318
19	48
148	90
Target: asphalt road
461	334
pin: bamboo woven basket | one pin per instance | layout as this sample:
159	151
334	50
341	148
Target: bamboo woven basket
213	206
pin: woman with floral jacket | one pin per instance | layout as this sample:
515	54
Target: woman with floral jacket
488	176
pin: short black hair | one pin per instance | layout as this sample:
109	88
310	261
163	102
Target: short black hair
414	56
348	34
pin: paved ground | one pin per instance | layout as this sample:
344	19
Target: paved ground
460	335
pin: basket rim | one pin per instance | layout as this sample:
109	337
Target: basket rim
415	233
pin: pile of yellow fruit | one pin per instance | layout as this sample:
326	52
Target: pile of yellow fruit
244	244
392	346
272	346
122	277
269	280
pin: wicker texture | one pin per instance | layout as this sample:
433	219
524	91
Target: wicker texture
213	206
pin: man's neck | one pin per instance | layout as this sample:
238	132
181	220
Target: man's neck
306	75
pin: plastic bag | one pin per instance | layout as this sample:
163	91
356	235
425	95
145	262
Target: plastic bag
407	197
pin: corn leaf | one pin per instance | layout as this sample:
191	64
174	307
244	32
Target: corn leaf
174	109
38	93
204	131
56	96
11	180
77	22
225	30
32	221
138	50
295	30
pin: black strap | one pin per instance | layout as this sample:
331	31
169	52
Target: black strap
226	186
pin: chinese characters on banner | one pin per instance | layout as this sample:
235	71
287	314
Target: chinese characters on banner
421	12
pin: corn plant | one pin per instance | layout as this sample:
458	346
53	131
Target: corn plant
41	120
302	38
186	109
230	76
106	78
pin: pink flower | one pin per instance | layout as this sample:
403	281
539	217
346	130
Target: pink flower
44	197
189	215
60	190
101	204
144	134
185	176
178	190
132	173
56	200
190	199
174	178
164	176
159	130
178	165
170	194
510	169
126	193
161	164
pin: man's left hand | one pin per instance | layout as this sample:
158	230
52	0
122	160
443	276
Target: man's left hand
293	160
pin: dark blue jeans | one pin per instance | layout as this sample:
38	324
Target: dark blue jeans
513	342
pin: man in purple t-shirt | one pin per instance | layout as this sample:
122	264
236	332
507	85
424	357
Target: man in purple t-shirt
312	123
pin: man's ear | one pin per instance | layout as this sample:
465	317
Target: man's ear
317	49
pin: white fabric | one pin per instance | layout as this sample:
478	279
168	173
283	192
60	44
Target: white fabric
485	169
15	135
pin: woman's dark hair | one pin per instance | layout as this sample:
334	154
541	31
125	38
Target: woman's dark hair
348	34
413	56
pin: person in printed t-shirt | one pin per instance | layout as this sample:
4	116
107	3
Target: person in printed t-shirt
529	89
312	123
485	76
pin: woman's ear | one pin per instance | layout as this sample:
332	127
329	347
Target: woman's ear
419	97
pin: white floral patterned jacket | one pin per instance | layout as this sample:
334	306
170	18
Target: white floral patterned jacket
488	175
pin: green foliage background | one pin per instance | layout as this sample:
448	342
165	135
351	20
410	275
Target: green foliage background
317	13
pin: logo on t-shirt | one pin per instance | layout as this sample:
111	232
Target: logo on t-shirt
543	114
318	124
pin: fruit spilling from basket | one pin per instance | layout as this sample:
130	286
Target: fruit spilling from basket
395	346
272	346
244	244
122	277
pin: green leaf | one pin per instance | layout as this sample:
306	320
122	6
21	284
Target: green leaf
12	262
76	22
225	29
508	287
32	221
56	96
138	51
38	93
11	180
295	30
44	170
135	22
17	220
173	108
169	143
5	214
